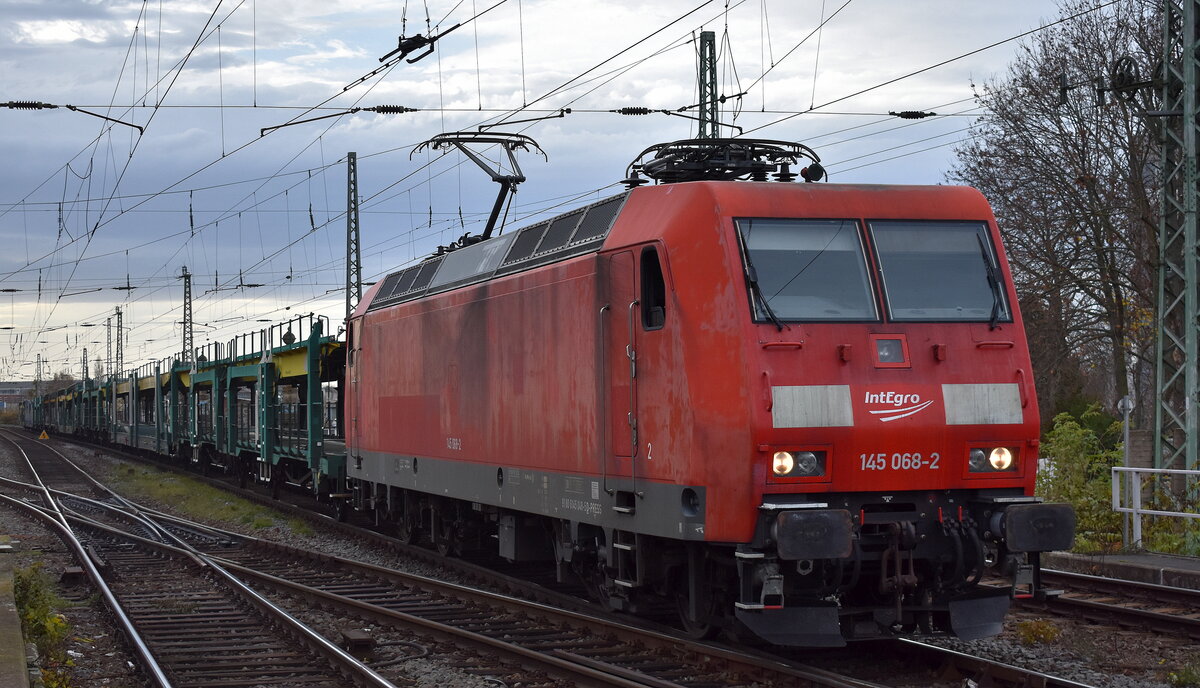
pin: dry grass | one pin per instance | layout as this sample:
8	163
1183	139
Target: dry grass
196	499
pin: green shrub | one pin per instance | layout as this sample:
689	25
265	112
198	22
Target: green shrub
1186	676
37	605
1081	476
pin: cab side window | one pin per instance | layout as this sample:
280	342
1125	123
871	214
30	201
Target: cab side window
654	291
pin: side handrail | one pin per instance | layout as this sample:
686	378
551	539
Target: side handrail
1134	476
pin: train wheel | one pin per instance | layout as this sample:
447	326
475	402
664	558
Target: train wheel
593	577
341	510
382	522
446	539
276	480
447	542
704	628
405	533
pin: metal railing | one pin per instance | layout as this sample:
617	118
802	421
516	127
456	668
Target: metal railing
331	426
204	417
1128	481
246	422
291	428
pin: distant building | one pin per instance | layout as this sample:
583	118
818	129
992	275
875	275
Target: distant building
13	393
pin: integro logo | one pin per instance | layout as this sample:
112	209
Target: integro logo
898	405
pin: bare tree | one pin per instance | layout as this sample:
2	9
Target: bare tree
1075	188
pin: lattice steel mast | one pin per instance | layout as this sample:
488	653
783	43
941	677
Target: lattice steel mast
188	340
353	250
707	78
120	369
1178	372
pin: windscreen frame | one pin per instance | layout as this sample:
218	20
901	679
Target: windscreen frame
986	250
864	264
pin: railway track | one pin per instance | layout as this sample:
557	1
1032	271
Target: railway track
934	660
565	646
202	630
1130	604
191	623
487	620
573	648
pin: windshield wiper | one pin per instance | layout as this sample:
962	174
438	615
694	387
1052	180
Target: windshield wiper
993	282
752	278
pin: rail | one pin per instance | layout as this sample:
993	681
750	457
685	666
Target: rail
162	538
1127	482
56	520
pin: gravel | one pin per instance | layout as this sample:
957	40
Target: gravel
1093	654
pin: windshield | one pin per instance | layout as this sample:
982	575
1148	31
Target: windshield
808	269
939	271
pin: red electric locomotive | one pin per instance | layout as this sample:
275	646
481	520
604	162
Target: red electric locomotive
802	409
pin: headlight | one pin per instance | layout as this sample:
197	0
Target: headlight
783	463
991	460
978	461
807	463
798	464
1000	458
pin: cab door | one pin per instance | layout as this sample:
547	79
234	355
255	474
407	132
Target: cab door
620	364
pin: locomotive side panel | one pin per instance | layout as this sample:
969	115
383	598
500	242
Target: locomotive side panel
490	374
492	394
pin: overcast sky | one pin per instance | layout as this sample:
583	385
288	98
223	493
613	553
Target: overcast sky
87	206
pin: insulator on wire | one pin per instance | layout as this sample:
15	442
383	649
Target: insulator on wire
912	114
391	109
633	111
28	105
